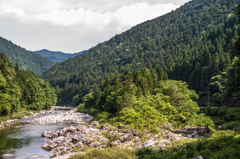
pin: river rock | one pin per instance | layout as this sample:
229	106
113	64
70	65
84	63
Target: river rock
90	140
76	139
193	135
54	135
81	128
114	134
104	127
135	133
120	126
149	136
125	138
47	134
104	140
93	124
149	143
71	129
7	155
95	144
115	143
80	137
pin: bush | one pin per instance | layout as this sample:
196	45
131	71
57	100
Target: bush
223	144
232	125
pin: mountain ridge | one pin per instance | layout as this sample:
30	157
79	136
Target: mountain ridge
190	33
27	60
57	56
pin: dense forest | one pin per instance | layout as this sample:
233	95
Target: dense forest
56	56
27	60
193	43
144	99
22	90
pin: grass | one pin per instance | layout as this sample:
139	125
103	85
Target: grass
113	153
17	115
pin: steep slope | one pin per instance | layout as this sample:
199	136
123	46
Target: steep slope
57	56
162	44
27	60
22	90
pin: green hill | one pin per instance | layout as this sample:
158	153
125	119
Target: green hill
192	43
22	90
27	60
57	56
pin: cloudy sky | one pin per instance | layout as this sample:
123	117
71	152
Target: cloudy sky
74	25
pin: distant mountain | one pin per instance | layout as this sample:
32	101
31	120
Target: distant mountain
193	43
57	56
27	60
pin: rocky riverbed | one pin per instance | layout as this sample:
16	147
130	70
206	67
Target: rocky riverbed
69	140
82	137
23	131
56	116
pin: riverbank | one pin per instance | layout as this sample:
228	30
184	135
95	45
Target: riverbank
8	121
55	115
22	138
82	138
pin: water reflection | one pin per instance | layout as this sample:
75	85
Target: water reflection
26	141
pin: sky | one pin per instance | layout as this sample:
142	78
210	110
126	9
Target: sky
74	25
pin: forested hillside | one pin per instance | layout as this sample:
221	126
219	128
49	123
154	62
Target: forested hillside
192	43
22	90
144	100
27	60
56	56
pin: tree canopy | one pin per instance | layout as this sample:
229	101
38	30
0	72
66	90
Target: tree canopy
20	89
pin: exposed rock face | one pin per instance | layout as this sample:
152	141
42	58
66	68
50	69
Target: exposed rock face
194	131
79	137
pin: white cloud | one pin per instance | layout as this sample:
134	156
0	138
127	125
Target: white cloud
73	25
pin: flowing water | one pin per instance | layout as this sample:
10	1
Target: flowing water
25	140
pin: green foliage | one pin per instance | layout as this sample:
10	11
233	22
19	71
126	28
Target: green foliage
232	93
113	153
21	89
192	44
141	100
26	60
223	144
228	117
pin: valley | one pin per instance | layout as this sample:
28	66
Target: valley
165	88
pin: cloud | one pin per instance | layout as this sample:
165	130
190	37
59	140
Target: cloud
73	25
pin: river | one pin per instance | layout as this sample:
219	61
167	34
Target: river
25	140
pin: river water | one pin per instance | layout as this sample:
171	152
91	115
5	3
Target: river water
25	140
